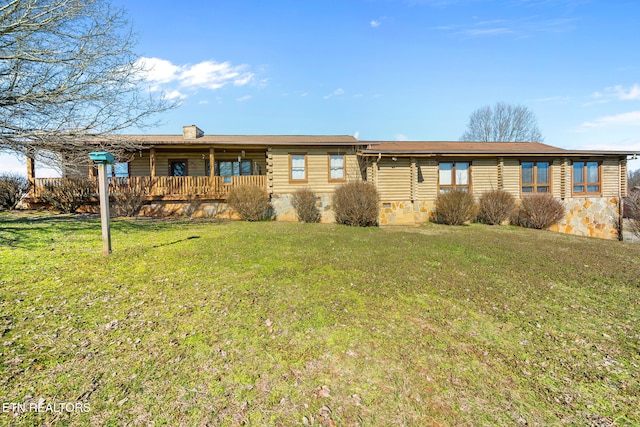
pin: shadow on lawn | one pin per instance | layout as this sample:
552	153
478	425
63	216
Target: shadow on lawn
175	241
28	230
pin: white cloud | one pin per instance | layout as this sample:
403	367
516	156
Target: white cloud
164	75
632	94
625	119
525	27
158	70
336	92
374	23
175	94
356	135
619	92
402	137
245	79
244	98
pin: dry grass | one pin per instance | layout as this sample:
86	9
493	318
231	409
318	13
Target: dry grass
196	323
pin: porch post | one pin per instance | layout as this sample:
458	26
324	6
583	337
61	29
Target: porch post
152	162
212	168
31	171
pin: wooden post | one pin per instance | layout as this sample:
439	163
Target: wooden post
152	162
31	172
103	190
152	170
102	159
212	168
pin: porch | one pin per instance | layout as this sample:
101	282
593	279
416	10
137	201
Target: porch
176	188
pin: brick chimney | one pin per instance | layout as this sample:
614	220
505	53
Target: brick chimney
191	132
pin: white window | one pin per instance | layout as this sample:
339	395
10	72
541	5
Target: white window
336	167
453	176
298	167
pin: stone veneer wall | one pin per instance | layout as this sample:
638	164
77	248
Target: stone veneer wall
590	216
585	216
405	212
285	211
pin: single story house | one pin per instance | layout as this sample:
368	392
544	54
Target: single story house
177	169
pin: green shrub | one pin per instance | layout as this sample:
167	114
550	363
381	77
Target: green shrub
496	206
304	202
540	211
356	203
251	202
455	207
12	188
68	194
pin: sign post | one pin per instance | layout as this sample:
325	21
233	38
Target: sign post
102	159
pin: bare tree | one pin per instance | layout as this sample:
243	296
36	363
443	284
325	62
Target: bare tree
69	79
502	123
634	178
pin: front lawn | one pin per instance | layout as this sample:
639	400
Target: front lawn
201	323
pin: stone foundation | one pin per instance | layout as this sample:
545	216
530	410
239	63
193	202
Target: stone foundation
285	211
587	216
404	212
590	216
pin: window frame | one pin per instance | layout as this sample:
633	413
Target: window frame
216	167
454	185
306	169
112	173
344	167
535	184
186	166
585	175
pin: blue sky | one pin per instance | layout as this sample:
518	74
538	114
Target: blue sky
394	69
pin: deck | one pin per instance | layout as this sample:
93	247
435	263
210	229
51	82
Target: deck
164	187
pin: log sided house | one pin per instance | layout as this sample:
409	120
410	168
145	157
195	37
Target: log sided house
175	169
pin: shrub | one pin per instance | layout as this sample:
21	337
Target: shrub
540	211
12	188
356	203
304	201
69	194
455	207
251	202
496	206
127	200
632	208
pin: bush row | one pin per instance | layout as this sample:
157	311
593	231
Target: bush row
354	203
539	211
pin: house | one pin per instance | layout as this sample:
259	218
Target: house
176	169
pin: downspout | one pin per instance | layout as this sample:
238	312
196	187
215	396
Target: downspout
375	170
620	203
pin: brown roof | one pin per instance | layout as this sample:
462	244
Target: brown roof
247	139
375	148
477	148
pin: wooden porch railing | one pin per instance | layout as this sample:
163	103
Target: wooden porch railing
164	186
